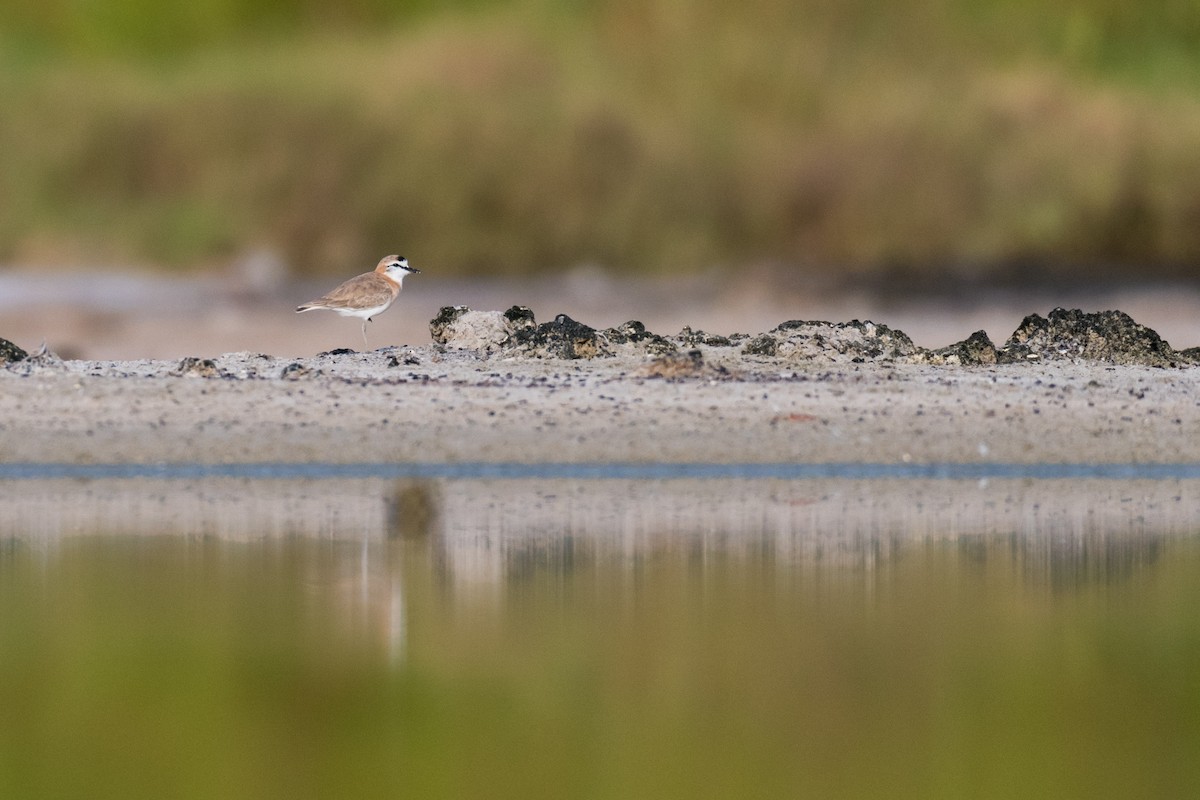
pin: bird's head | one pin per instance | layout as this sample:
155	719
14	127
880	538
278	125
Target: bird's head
396	267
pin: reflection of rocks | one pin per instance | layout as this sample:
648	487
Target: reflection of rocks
1068	562
1061	533
10	353
1109	337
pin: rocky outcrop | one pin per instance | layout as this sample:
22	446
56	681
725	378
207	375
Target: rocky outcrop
1109	337
516	332
562	337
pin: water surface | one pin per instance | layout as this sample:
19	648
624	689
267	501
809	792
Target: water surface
565	637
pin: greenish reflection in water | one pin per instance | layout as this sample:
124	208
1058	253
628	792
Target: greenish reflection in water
477	642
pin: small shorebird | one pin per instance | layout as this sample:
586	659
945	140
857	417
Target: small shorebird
368	294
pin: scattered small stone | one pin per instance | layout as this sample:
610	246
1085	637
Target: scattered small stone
295	371
193	367
340	351
409	359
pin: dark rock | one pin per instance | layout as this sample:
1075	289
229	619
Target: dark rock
10	353
1191	355
976	350
520	318
341	351
517	331
634	332
689	338
440	325
1107	336
563	338
764	345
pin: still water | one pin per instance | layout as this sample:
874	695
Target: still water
212	636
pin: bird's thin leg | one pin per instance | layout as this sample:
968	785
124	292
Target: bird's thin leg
364	329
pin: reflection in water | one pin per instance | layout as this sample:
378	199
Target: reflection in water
486	532
1060	532
614	638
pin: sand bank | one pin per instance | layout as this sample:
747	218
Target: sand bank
723	403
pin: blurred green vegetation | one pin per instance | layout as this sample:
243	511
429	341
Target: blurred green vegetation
922	138
189	667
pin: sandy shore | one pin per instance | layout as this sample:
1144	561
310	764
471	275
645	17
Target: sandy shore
435	404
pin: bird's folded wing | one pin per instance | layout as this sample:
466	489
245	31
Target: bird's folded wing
364	291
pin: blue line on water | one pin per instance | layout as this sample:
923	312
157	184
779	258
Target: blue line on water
478	470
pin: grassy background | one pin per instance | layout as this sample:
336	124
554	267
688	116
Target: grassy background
923	139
